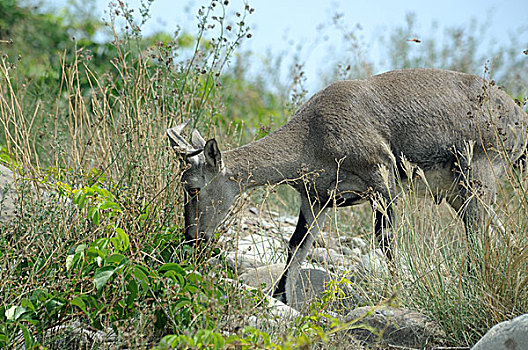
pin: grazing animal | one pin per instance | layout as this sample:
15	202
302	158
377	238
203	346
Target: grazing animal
347	144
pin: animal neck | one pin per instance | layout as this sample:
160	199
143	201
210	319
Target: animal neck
270	160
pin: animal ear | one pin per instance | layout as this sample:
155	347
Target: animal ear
212	153
197	140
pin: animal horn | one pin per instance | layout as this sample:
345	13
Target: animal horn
179	144
179	128
197	140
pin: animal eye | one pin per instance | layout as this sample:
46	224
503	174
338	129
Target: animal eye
194	191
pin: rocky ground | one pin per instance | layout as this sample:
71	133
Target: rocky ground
256	248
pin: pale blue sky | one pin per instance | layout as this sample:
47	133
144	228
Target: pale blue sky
277	25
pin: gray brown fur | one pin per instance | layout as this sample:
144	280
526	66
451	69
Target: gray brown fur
429	116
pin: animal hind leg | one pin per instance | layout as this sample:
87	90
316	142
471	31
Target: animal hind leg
383	182
384	231
476	186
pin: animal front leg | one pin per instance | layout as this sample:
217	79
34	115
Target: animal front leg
301	241
296	241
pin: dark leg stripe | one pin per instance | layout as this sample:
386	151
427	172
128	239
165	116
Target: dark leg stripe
296	240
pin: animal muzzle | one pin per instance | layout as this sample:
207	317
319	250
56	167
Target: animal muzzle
193	235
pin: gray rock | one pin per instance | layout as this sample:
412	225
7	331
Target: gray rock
330	258
346	250
288	220
254	251
75	335
373	263
356	253
264	276
322	240
8	194
278	311
241	263
311	286
510	335
354	242
394	327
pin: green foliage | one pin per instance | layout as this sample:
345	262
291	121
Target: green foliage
107	283
106	241
5	158
306	331
251	338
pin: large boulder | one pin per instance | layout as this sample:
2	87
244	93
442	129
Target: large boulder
510	335
311	285
394	327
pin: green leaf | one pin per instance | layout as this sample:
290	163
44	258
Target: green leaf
102	276
69	262
121	241
79	302
182	303
109	205
115	258
172	267
95	217
82	201
93	251
161	319
104	193
28	304
194	277
79	199
63	188
80	248
176	277
53	304
124	237
28	338
14	312
139	273
101	243
191	289
171	341
90	211
132	289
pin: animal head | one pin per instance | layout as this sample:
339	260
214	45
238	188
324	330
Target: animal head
208	191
